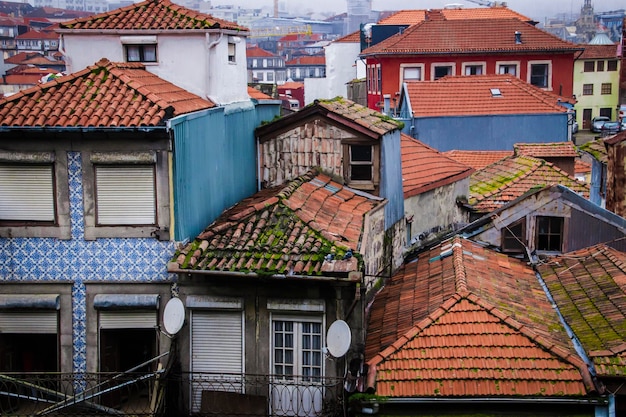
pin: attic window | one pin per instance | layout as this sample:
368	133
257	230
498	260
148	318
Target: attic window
495	92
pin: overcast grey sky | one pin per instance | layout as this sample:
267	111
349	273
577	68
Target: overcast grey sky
536	9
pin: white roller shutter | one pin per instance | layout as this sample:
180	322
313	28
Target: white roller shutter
128	319
26	193
37	322
216	348
125	195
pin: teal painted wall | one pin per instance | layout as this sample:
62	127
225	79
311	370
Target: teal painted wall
214	163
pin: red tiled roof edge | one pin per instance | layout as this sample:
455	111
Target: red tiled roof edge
439	183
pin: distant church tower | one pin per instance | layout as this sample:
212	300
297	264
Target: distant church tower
586	25
359	11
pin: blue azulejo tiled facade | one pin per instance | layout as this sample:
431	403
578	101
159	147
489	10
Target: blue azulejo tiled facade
27	264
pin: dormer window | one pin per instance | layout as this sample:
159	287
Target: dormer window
361	171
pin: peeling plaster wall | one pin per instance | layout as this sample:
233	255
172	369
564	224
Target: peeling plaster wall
436	209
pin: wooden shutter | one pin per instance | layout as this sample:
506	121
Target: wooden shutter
27	193
125	195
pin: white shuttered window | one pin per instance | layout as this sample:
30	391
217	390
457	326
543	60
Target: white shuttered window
125	195
27	193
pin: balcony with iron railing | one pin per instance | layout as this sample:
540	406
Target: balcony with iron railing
163	393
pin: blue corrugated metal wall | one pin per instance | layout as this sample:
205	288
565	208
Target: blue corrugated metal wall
391	179
489	133
214	163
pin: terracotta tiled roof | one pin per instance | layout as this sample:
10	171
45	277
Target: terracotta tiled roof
354	37
291	85
472	95
151	15
255	51
470	36
20	79
103	95
546	150
589	286
412	17
424	168
307	60
287	230
595	148
466	321
599	51
257	95
512	177
581	167
477	159
34	34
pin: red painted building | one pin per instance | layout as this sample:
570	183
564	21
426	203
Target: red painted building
437	47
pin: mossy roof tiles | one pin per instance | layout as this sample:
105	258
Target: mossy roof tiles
546	150
589	286
595	148
155	15
512	177
462	320
103	95
288	230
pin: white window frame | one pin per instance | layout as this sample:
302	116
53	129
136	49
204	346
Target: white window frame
94	226
59	225
500	64
232	52
481	65
404	67
548	87
434	65
141	43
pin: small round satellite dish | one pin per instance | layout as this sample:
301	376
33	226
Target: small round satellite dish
173	316
338	338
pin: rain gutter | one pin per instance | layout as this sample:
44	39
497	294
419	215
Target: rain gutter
492	400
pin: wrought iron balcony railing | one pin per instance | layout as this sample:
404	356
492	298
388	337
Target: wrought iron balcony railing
169	394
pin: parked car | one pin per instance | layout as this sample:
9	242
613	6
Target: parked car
574	127
597	122
610	128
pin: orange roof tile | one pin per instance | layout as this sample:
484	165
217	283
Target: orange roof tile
255	51
150	15
512	177
472	95
286	230
581	167
546	150
599	51
20	79
470	36
412	17
589	286
34	34
291	85
424	168
257	94
464	321
307	60
103	95
354	37
477	159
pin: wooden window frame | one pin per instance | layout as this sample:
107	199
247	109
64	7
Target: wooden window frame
544	240
518	241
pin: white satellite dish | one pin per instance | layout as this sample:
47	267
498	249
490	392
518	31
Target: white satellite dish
173	316
338	338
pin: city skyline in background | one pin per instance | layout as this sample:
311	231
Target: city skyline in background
538	10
